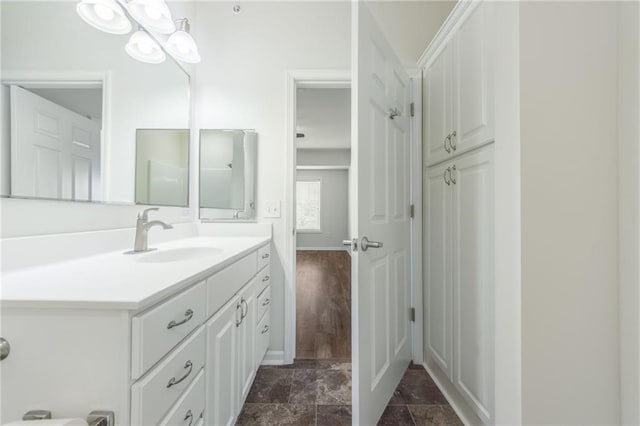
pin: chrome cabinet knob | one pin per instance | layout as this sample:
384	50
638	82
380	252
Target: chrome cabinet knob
5	348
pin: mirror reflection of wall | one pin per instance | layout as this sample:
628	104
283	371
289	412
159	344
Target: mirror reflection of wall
162	167
61	66
222	169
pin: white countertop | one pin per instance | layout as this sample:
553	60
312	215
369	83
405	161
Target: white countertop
117	281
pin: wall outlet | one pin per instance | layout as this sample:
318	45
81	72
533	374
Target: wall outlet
272	208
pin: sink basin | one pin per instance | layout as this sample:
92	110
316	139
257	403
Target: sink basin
179	254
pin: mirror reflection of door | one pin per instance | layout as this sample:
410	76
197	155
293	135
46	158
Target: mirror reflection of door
55	143
162	167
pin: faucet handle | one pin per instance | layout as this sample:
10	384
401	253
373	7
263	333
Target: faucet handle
143	214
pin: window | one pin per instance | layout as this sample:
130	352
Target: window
308	195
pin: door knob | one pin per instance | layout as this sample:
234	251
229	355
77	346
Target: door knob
353	244
365	244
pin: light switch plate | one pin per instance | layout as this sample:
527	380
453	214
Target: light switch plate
272	208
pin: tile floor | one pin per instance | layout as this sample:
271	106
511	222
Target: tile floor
318	393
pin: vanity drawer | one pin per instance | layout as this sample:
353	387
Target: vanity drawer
264	277
264	255
264	302
152	395
222	286
263	336
155	332
190	407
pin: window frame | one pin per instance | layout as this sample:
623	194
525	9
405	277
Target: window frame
318	230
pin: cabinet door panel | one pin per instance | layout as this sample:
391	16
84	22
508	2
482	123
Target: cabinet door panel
221	367
473	279
438	106
474	101
437	267
247	338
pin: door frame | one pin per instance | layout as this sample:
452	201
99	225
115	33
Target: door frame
68	79
295	79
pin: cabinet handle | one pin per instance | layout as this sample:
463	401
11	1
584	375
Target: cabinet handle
448	138
188	314
453	169
265	256
266	302
244	303
265	329
266	278
444	175
451	141
189	416
239	306
175	381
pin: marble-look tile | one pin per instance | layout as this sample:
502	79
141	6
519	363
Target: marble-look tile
277	414
396	415
271	386
418	375
416	387
334	415
304	387
322	364
334	387
434	415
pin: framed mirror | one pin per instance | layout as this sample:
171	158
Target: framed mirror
72	102
227	174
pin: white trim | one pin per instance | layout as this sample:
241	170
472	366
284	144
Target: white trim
70	79
322	167
273	358
341	248
294	79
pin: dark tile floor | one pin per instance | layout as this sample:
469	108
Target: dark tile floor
318	393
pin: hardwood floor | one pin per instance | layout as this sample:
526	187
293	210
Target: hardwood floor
323	305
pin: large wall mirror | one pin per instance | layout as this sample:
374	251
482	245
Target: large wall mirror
74	106
227	174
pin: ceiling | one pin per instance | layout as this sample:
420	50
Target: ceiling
410	25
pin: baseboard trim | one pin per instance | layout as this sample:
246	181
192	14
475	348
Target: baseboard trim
341	248
461	408
273	358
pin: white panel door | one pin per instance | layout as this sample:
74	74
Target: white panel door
437	266
55	152
438	108
247	340
474	94
473	279
222	365
381	292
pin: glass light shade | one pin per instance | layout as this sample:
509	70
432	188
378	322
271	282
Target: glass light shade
145	49
105	15
154	15
183	47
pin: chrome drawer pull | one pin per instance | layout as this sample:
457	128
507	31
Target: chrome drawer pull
239	306
175	381
266	278
265	329
188	314
265	256
244	313
266	302
189	416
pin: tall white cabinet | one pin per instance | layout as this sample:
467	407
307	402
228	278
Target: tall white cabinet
458	187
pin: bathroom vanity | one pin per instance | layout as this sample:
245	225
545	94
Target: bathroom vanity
169	337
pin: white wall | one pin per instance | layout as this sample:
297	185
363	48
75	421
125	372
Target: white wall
240	83
324	116
323	157
334	213
629	207
570	362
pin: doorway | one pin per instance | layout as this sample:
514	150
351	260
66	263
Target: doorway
321	211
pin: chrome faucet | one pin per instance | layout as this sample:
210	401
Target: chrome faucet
142	229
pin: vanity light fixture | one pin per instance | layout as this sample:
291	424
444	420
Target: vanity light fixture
153	15
145	49
181	44
105	15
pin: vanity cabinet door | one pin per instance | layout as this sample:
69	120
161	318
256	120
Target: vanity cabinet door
247	338
221	366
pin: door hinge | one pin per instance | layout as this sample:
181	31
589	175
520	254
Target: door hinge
412	211
412	108
413	314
